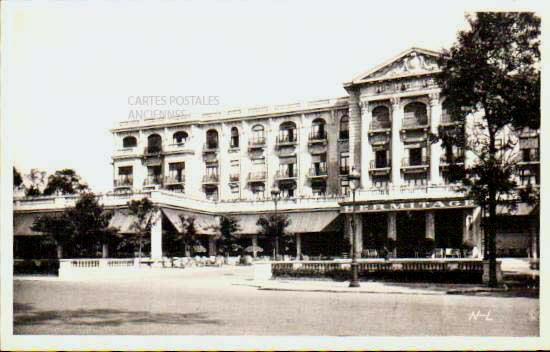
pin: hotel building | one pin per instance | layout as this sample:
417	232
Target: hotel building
228	162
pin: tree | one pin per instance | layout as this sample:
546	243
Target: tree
227	240
143	210
84	227
65	181
17	178
492	75
181	241
34	183
274	226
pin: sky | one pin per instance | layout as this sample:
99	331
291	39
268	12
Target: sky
72	69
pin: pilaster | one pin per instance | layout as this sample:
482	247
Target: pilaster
366	118
156	235
430	225
435	148
354	130
396	144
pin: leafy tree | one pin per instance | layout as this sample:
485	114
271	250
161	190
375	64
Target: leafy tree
227	240
65	181
143	210
182	241
34	183
84	227
32	191
274	226
492	75
17	178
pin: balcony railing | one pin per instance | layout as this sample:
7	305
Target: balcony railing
410	122
210	147
257	176
174	180
344	170
532	158
256	142
318	171
211	178
152	180
317	136
286	140
373	165
124	181
415	162
153	150
234	177
285	174
379	126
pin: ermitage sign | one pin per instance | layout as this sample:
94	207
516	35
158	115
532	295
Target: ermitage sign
414	205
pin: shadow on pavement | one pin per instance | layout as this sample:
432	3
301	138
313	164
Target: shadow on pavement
24	315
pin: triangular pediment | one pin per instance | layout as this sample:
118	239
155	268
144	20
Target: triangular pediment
413	61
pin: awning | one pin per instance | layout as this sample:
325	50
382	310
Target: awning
22	224
310	222
123	221
205	224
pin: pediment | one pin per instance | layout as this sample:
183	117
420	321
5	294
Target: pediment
413	61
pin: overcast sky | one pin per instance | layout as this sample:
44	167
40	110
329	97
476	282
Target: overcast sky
72	69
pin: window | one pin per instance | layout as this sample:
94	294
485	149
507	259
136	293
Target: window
344	127
176	171
258	136
527	177
129	142
344	163
180	137
318	129
287	170
380	181
154	144
319	189
381	117
416	180
287	132
381	159
211	193
415	156
344	186
125	170
153	175
287	189
125	175
234	173
258	191
212	139
319	164
416	114
212	171
234	138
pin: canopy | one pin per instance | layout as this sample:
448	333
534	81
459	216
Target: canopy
123	221
23	222
522	209
205	224
303	222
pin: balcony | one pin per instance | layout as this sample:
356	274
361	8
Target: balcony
379	127
455	159
415	164
124	152
123	181
344	170
410	122
259	176
174	180
317	137
234	178
285	175
256	143
287	140
210	148
152	181
211	179
153	150
379	168
318	172
529	159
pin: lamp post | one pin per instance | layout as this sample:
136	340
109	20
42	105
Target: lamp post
275	194
354	178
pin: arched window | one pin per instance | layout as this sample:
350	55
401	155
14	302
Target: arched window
344	127
234	137
180	137
381	117
129	142
212	139
287	132
318	129
154	143
416	114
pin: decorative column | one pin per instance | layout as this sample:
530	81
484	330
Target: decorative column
358	235
366	118
298	246
156	235
254	245
466	221
211	246
396	145
435	148
354	130
105	250
392	229
430	225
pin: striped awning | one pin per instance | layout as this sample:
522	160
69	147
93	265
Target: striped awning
205	224
303	222
123	221
522	209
